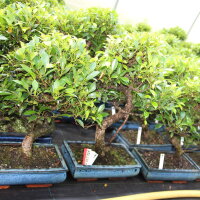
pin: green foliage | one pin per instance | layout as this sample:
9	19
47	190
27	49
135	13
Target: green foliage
196	49
93	24
177	31
165	83
143	27
53	72
48	3
20	22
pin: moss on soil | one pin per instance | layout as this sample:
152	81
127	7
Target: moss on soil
172	161
11	157
116	155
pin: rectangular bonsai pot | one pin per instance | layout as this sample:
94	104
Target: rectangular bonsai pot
34	176
121	139
98	171
165	174
18	137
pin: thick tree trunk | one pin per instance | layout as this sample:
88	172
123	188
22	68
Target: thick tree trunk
27	145
107	122
176	143
38	129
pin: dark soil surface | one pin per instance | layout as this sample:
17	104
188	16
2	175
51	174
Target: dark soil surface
11	157
196	157
148	137
115	155
172	161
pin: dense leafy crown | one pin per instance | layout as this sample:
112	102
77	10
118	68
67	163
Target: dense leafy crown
93	24
20	22
166	84
51	73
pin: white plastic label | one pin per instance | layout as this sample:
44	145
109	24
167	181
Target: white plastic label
113	110
156	121
139	134
161	162
198	128
182	141
89	156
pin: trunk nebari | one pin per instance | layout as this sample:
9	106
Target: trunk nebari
38	129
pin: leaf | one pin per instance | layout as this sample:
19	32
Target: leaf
101	108
92	66
29	112
154	104
114	64
4	93
146	114
92	95
28	70
182	115
3	37
44	58
80	122
92	75
124	80
69	90
35	85
92	87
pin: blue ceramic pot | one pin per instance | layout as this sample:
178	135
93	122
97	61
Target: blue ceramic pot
34	176
165	174
97	171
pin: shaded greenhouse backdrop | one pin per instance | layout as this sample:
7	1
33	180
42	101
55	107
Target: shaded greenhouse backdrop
158	13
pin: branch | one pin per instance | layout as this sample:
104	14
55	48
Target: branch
114	136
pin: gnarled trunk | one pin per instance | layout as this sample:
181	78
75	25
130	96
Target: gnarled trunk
107	122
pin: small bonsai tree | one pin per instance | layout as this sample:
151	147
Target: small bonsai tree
148	76
53	72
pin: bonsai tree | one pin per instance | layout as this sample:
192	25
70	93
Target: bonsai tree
53	72
145	73
129	67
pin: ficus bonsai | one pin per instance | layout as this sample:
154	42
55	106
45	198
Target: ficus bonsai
142	71
53	72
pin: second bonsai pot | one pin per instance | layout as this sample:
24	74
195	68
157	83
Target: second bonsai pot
166	174
79	171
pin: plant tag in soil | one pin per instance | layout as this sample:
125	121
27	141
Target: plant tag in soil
156	121
182	141
198	128
89	156
113	110
161	162
139	134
